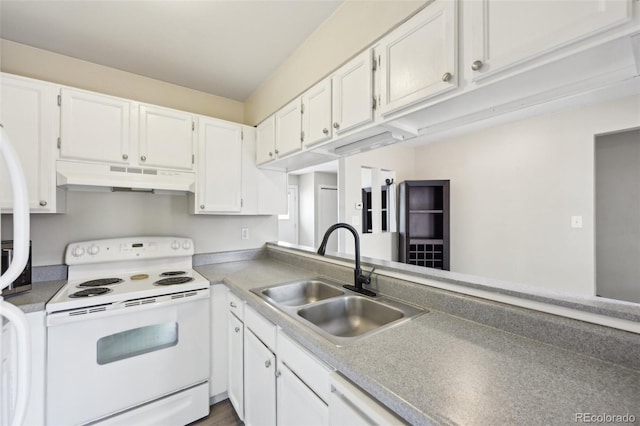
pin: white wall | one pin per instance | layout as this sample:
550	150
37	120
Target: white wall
514	189
307	219
109	215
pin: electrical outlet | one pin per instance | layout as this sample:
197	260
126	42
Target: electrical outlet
576	221
245	233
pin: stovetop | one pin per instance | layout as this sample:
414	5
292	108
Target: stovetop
118	270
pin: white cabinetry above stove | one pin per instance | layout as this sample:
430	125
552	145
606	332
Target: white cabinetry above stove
112	142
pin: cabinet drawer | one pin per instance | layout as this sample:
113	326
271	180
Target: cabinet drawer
308	368
235	305
263	329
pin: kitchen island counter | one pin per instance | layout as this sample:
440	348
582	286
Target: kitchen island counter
442	369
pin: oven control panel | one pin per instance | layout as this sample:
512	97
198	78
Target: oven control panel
123	249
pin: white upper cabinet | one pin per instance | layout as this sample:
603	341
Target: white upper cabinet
219	174
506	33
316	114
266	141
29	114
95	127
418	59
166	138
288	129
353	94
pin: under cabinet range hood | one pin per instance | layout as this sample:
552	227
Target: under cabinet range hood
81	176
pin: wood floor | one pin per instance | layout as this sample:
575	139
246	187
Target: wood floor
221	414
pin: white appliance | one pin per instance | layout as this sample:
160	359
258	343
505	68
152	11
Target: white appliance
15	353
128	335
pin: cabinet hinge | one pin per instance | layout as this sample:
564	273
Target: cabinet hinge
302	109
302	136
193	126
241	202
375	64
193	159
59	143
241	134
59	100
374	103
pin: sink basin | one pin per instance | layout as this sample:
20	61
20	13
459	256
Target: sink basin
301	293
350	316
339	315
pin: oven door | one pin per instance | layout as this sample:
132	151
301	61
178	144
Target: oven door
102	361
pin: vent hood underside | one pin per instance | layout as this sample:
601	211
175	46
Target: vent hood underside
81	176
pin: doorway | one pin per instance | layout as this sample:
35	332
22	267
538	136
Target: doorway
288	223
617	207
327	214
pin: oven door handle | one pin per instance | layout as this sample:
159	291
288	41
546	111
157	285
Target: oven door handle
121	308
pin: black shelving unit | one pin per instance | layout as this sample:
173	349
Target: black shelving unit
424	223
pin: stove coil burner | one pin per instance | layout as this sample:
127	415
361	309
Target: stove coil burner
172	273
94	291
101	282
174	280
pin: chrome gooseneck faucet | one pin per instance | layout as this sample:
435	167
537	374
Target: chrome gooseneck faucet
358	277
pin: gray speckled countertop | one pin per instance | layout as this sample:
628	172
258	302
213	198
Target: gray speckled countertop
442	369
35	299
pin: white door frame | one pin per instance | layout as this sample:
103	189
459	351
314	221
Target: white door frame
296	207
320	232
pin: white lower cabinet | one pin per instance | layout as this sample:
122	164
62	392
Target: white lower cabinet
297	404
275	381
349	406
236	364
259	382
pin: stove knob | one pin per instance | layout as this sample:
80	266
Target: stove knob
77	252
186	245
175	245
93	249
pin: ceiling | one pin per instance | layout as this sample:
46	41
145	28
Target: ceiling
223	47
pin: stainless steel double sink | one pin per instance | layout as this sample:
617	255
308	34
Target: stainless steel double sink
340	315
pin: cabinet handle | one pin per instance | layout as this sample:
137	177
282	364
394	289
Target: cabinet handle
325	131
278	374
233	305
201	206
267	363
237	329
125	157
43	203
446	76
143	158
277	152
270	154
476	65
336	125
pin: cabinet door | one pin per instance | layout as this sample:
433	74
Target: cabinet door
94	127
349	406
219	341
259	382
297	404
219	166
250	172
288	129
316	113
418	60
505	33
236	364
29	114
166	138
353	94
266	141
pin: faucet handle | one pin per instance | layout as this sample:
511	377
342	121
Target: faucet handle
367	279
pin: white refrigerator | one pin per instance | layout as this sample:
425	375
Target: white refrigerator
15	351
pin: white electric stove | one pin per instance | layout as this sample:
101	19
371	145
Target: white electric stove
128	335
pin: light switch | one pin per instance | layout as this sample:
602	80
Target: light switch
358	206
576	221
